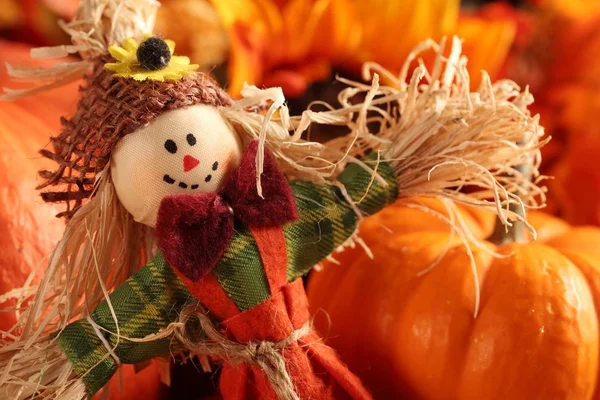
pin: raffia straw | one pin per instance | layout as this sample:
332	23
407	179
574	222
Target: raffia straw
441	137
267	355
38	371
282	135
95	25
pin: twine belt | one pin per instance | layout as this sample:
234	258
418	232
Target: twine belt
267	355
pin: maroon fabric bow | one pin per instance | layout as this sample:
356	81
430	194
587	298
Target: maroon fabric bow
194	230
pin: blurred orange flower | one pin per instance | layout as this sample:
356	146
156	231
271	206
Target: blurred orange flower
489	34
196	28
576	188
571	8
292	43
560	62
392	29
571	106
286	43
34	21
11	15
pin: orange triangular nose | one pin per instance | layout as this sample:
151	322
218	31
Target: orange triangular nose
189	163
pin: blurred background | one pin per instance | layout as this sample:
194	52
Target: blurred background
302	45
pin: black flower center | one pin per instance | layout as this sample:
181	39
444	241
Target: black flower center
153	54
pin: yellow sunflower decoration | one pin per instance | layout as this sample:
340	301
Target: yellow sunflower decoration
152	59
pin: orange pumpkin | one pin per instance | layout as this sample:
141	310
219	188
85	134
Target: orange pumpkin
28	228
414	336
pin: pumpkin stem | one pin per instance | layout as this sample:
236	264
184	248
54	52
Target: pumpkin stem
516	233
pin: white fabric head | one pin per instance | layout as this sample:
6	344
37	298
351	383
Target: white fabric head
189	150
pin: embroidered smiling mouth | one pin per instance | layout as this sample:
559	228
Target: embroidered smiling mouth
167	178
182	184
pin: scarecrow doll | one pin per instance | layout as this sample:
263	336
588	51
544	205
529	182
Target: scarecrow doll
191	217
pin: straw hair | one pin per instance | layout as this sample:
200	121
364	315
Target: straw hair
262	114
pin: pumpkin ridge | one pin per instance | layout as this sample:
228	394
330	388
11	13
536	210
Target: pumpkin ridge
394	363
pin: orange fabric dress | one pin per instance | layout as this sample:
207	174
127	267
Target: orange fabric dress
315	369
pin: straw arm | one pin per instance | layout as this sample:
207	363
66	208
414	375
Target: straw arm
146	303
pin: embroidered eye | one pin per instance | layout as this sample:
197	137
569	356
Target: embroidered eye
191	139
171	146
215	166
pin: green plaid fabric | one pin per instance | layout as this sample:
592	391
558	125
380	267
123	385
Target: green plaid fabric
327	220
147	302
151	299
240	271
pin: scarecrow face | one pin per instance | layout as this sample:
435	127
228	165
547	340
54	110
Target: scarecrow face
183	151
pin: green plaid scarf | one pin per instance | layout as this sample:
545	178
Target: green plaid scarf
151	299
